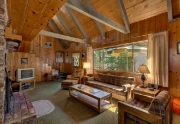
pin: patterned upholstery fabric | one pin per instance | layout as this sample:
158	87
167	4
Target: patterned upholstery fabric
114	84
107	78
135	119
138	103
159	103
97	77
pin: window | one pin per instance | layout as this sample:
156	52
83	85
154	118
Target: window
76	61
122	58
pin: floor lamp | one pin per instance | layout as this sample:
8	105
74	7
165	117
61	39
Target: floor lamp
144	70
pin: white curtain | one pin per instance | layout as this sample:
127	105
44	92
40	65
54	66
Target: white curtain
90	60
158	58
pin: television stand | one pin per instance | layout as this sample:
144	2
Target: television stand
20	85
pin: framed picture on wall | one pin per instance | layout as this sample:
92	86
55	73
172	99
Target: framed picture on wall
48	44
178	47
59	57
83	55
24	60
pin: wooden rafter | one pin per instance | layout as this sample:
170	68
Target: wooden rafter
56	38
55	27
169	8
92	13
78	24
63	37
64	25
124	15
99	26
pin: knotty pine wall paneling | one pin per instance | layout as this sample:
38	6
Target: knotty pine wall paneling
174	58
138	31
40	58
81	48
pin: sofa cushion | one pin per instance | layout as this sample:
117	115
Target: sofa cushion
102	77
159	103
97	77
139	104
107	78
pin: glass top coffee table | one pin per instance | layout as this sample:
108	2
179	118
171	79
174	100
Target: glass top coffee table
96	99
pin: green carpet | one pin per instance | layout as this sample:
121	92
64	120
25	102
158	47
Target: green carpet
68	110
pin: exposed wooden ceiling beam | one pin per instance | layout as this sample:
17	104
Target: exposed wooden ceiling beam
64	25
78	24
99	26
169	8
63	37
55	27
90	12
56	38
124	15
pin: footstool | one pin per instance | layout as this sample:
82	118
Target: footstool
66	83
176	105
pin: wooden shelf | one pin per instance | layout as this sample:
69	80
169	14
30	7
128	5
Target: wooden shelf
32	81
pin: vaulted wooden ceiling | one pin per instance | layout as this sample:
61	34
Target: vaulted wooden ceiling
30	16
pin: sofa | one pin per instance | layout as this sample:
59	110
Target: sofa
119	86
135	111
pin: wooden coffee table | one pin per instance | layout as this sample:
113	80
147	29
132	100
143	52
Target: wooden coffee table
96	99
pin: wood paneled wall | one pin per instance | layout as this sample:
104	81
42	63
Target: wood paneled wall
80	48
138	32
40	58
174	58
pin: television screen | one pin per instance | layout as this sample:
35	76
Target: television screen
26	73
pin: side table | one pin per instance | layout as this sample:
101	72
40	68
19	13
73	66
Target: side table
84	79
145	94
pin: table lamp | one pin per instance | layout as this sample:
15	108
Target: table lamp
86	65
143	69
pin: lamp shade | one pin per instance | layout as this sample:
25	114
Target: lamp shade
143	69
86	65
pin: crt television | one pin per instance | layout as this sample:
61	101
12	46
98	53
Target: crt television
24	74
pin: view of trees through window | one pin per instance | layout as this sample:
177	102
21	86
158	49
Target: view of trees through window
123	58
76	61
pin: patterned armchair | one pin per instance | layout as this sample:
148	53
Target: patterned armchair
76	75
135	111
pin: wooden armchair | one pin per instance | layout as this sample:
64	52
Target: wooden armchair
134	111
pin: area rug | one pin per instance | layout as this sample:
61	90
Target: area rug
43	107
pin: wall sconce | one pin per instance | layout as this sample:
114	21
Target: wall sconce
178	47
67	53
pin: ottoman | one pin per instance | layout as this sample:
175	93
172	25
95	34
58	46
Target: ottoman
176	105
66	83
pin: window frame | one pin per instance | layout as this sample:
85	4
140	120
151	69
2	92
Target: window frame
133	43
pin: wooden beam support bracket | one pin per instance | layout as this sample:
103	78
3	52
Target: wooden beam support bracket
92	13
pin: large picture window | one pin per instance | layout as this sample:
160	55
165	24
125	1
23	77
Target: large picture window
122	58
